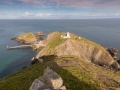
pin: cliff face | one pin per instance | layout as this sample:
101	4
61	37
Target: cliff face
80	48
89	52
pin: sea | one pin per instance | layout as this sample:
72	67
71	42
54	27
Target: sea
105	32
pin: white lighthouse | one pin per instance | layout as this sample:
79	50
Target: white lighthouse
67	35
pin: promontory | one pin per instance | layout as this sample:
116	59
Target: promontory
81	63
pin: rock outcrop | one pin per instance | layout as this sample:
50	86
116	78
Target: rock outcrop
26	38
113	52
36	85
89	52
39	35
87	49
49	81
36	60
118	61
29	38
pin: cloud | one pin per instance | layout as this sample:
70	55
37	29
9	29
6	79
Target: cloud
39	15
44	15
68	16
75	3
30	1
27	14
48	15
3	14
85	4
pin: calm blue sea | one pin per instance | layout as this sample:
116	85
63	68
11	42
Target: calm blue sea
103	31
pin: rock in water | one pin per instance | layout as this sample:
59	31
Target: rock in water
53	79
36	85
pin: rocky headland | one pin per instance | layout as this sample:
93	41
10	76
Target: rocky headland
78	64
79	47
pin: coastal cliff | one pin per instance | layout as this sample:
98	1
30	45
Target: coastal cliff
77	46
77	60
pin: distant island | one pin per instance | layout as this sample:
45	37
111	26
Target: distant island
81	63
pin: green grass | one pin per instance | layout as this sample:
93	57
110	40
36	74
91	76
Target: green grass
76	77
92	43
21	80
26	36
58	40
84	40
55	42
76	80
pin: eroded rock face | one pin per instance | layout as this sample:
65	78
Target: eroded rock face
49	81
96	55
80	49
92	53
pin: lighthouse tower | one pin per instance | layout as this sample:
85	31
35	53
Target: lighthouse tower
67	35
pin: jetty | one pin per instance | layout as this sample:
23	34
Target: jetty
17	47
34	46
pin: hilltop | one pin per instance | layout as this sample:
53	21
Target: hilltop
79	61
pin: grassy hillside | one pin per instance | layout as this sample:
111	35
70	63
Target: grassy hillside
77	74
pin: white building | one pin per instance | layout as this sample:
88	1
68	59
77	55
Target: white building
67	35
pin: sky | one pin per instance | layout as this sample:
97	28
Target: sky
59	9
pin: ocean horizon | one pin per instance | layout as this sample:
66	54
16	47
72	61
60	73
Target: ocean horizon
105	32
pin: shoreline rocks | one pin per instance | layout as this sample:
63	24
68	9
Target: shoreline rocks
49	81
36	60
113	52
13	38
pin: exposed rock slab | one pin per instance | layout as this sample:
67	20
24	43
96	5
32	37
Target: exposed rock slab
49	81
53	79
36	85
